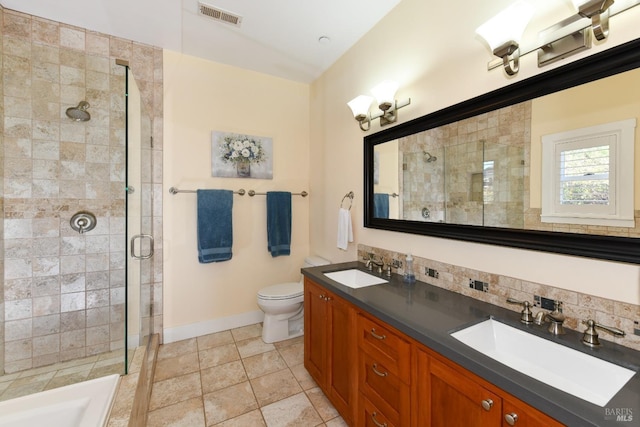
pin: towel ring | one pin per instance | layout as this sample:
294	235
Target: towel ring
349	195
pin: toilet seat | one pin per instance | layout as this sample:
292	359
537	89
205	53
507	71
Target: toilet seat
281	291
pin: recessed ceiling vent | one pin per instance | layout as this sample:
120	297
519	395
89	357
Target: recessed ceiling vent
219	14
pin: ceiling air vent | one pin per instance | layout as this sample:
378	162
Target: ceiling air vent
219	14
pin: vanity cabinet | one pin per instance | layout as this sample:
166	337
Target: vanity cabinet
329	353
375	375
450	395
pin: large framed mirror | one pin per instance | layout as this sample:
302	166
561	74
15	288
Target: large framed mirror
472	171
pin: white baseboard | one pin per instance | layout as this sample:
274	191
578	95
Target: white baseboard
211	326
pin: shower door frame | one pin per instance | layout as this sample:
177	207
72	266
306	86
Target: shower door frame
138	233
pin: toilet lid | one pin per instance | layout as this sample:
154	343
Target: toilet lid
282	291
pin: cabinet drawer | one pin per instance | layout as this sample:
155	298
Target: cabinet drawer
371	416
386	345
382	387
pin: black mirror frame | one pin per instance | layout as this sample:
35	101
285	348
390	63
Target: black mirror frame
604	64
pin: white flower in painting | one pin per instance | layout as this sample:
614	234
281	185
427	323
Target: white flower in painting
235	148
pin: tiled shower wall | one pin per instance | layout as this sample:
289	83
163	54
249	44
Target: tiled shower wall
576	305
64	292
1	210
461	148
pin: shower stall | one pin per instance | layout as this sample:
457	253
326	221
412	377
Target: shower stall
76	183
472	183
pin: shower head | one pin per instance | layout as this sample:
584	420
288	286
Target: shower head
79	113
429	158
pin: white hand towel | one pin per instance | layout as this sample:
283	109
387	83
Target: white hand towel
345	229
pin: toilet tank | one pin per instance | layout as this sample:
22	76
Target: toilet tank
314	261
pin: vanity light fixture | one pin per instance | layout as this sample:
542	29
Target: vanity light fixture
385	94
598	12
504	31
563	39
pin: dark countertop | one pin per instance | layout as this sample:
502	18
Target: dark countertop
428	314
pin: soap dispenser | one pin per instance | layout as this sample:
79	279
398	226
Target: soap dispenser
409	276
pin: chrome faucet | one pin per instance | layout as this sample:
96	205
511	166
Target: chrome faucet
590	336
371	261
556	319
379	265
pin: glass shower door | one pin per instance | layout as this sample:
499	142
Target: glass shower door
138	229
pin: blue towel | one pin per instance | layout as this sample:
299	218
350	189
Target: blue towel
380	205
215	232
279	223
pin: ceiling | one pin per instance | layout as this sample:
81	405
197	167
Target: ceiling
281	37
276	37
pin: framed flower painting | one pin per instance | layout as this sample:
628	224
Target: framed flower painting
235	155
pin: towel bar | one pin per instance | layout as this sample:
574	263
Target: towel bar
241	192
174	190
253	193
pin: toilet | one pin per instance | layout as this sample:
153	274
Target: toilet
283	308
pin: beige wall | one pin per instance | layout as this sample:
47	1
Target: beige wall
399	47
202	96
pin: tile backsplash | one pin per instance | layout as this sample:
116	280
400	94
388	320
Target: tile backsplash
576	306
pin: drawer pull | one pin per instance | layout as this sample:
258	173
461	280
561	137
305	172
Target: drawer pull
376	336
487	404
511	418
381	374
321	296
373	417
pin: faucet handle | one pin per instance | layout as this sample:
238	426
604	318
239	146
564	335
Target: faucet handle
526	316
590	336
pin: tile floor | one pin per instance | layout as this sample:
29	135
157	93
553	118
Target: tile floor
60	374
234	379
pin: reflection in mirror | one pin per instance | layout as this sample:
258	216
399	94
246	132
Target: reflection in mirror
467	172
472	171
475	171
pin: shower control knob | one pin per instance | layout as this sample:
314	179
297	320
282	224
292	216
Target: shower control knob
83	221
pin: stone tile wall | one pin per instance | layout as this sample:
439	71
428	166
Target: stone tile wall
64	293
576	306
461	148
1	210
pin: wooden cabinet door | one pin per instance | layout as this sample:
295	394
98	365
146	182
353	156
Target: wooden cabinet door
519	414
420	391
456	400
315	332
341	364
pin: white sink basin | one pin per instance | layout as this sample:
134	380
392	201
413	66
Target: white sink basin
571	371
355	278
